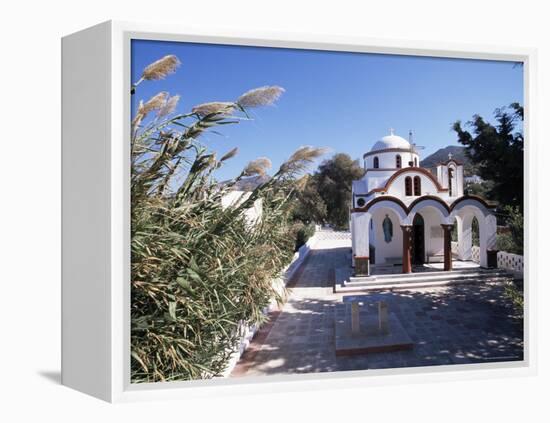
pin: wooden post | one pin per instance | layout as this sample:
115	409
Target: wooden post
361	266
407	230
447	253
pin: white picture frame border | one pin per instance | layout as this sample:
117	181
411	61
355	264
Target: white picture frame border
114	384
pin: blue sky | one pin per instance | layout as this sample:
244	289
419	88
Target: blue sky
343	101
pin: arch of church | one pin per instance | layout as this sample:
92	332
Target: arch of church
385	232
439	218
464	216
433	203
389	203
470	201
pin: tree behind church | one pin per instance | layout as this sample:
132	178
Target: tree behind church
333	179
497	152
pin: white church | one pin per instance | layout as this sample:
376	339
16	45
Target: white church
403	214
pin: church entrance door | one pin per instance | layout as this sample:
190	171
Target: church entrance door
418	240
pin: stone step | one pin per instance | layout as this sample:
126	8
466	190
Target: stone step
338	288
471	271
428	276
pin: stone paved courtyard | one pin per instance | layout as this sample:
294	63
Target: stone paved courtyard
449	325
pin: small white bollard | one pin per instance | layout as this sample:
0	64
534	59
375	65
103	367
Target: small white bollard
355	317
383	317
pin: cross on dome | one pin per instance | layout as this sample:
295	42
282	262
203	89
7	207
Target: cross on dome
391	131
450	156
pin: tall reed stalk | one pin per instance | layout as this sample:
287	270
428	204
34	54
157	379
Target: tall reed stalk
199	270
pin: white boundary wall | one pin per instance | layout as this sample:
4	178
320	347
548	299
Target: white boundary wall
454	247
475	253
510	261
507	261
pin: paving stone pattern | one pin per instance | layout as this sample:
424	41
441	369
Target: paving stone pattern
449	325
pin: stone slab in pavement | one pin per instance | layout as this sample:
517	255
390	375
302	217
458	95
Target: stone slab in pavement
369	339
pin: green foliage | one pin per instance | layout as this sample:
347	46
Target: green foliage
333	181
303	233
475	232
309	206
482	189
497	152
454	233
199	270
514	221
515	295
512	241
505	243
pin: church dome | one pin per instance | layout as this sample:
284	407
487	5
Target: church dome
391	141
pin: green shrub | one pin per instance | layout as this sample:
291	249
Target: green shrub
505	243
515	295
303	233
512	242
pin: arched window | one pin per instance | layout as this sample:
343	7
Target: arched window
408	186
398	161
450	181
375	162
475	232
417	186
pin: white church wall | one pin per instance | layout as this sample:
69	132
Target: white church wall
460	181
443	176
360	235
359	187
457	183
465	212
377	179
464	237
234	198
353	238
433	232
453	191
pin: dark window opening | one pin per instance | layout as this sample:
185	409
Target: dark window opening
408	186
450	174
375	163
417	186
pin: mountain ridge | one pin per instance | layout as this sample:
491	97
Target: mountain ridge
442	155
